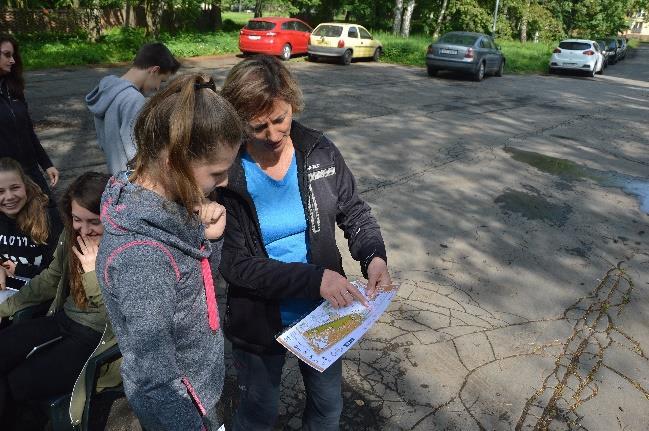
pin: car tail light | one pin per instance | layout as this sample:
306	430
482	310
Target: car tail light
271	33
241	31
556	51
469	53
341	43
589	52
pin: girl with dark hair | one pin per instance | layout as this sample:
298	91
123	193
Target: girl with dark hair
17	137
29	228
162	244
77	316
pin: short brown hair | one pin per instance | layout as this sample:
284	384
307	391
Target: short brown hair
253	86
156	54
190	121
33	218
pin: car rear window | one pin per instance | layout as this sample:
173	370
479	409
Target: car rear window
328	31
458	39
574	46
260	25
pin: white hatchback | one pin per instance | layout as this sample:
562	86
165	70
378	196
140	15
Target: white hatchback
578	55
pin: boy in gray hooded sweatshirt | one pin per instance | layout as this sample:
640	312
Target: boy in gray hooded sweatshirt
160	248
116	101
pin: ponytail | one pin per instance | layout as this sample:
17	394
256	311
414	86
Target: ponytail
185	122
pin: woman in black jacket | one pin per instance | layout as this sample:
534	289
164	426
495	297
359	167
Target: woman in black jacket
17	137
287	191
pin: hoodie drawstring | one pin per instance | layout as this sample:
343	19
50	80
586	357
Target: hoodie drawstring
210	294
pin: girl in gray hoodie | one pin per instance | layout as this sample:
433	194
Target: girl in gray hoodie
160	248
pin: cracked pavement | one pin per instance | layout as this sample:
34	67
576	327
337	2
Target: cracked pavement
524	281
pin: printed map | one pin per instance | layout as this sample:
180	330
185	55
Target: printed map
327	333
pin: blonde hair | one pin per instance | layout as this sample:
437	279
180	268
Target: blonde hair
190	121
33	219
254	84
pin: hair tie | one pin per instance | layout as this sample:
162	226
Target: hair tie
209	84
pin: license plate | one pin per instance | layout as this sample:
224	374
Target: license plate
448	51
570	64
254	37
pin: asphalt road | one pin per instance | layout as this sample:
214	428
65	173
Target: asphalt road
508	211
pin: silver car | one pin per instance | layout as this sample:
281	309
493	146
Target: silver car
467	52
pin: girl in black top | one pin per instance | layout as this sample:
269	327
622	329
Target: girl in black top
17	137
29	228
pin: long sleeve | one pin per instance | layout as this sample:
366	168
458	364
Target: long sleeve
355	218
41	156
130	108
40	288
139	286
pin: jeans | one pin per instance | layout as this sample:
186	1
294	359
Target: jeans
258	378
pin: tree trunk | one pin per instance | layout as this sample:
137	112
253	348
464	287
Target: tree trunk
524	19
258	8
440	19
398	9
407	18
153	14
216	21
127	14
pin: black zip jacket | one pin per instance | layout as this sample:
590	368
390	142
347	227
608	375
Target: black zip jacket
17	137
256	283
30	258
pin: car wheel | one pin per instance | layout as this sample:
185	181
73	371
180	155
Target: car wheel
431	71
601	70
346	58
592	73
501	69
286	52
377	54
478	75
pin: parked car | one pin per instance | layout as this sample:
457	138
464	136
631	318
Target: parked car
613	49
344	41
275	36
623	46
461	51
602	49
577	55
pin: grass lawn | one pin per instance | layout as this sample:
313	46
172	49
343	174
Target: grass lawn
120	45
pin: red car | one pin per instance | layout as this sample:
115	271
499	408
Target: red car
275	36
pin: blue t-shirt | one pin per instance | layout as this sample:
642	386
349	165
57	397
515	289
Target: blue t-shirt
283	225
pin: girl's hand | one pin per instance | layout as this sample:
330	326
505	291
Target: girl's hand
3	278
212	215
10	266
87	252
53	174
338	291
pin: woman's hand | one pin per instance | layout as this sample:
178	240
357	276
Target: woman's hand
3	278
10	266
338	291
212	215
53	174
377	275
87	252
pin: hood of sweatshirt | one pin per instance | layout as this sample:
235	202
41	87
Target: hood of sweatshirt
128	209
101	97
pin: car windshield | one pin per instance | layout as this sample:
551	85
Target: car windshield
328	31
260	25
574	46
458	39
